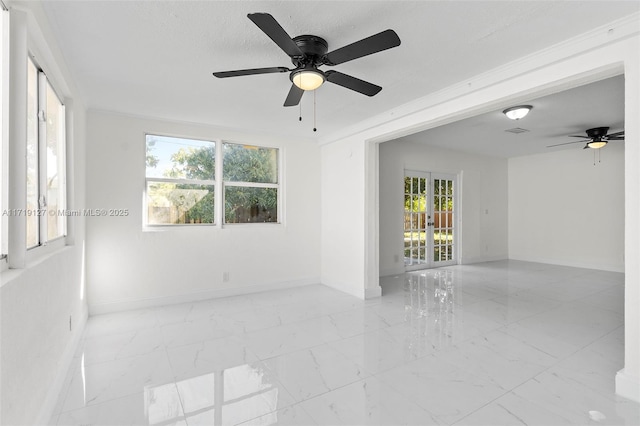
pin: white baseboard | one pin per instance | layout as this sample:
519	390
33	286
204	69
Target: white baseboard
49	405
481	259
346	288
573	264
127	305
392	271
627	386
371	293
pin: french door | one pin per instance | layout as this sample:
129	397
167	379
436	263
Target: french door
430	227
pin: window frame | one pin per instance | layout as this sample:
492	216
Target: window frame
43	83
245	184
4	133
180	181
219	186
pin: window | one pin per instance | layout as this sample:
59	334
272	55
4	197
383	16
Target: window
181	186
46	165
4	129
180	181
250	176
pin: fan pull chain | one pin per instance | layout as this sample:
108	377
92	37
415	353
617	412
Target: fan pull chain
314	110
300	111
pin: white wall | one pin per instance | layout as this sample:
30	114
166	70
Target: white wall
129	268
342	210
598	54
38	299
482	206
564	210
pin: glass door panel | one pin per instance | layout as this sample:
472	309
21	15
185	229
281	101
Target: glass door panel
429	220
415	221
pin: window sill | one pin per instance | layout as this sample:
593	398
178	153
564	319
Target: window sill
33	260
201	227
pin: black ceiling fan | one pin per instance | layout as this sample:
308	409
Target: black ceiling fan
595	138
308	52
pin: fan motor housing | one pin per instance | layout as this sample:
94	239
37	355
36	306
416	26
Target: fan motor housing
313	47
597	132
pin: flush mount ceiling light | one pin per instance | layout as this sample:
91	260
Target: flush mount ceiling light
308	78
517	112
596	143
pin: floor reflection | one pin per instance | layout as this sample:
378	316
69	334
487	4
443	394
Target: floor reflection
229	396
429	308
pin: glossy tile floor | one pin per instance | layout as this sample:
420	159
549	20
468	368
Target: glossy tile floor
500	343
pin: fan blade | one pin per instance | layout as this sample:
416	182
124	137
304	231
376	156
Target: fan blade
568	143
367	46
252	71
294	96
352	83
577	136
616	138
616	134
270	27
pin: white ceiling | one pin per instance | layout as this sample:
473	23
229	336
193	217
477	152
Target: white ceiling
155	58
550	121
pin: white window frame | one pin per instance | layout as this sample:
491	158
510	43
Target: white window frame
219	186
43	236
276	185
4	133
147	179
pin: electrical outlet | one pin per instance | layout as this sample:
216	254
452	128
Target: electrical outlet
225	277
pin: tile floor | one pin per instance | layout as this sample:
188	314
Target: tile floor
500	343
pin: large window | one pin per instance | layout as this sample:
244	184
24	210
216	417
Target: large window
250	184
181	186
46	168
180	181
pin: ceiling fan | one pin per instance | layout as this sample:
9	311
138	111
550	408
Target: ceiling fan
595	138
308	52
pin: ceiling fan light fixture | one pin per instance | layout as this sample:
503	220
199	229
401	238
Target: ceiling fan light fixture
517	112
596	143
308	79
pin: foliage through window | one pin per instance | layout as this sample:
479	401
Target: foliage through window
181	182
250	176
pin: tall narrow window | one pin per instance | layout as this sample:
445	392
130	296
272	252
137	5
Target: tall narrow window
54	187
46	165
180	181
250	175
33	185
4	131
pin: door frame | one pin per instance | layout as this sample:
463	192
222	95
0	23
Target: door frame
430	261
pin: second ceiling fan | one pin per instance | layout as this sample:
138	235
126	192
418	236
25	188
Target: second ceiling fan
595	138
308	52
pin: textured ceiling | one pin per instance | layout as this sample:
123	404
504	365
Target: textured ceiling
552	119
155	58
